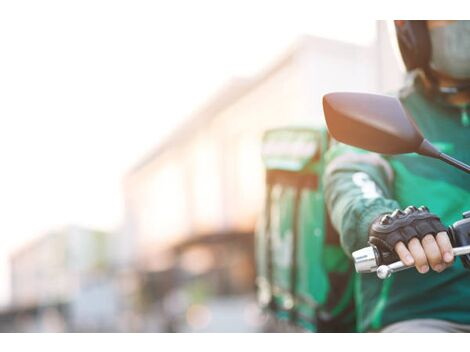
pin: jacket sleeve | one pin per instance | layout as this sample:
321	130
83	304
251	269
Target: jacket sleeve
358	188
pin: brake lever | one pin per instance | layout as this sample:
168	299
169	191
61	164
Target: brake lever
385	271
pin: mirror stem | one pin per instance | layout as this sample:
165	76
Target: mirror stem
428	149
454	162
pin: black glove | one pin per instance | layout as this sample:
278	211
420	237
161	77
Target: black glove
389	229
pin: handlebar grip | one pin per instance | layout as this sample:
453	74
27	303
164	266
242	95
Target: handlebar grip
368	259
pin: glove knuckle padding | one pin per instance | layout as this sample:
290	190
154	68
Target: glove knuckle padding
409	232
402	226
423	228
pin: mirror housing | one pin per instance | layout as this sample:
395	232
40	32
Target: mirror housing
378	123
373	122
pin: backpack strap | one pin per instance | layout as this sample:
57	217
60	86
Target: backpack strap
294	266
269	245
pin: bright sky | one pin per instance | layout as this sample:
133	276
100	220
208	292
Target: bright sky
89	87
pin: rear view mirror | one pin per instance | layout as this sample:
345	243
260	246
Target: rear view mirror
373	122
377	123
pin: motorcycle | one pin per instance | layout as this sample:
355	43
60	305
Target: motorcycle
380	124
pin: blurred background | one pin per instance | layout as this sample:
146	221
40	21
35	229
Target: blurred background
130	148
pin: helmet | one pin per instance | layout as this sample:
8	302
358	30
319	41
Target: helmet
414	42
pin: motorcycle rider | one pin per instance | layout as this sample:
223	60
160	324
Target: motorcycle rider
361	187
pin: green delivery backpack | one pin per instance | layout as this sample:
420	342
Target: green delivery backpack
303	275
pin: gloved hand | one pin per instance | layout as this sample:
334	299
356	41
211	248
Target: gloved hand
389	229
416	236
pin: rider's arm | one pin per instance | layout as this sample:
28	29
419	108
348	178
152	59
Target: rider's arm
357	191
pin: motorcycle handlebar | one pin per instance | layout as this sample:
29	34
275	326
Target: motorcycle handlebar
371	259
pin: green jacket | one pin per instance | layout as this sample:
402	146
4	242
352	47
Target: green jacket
359	186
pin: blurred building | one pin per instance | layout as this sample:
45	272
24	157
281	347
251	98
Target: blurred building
207	178
206	181
54	274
